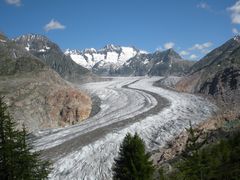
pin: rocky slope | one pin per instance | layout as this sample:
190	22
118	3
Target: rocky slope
49	52
217	74
125	61
36	95
160	63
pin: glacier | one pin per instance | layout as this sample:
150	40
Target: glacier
93	157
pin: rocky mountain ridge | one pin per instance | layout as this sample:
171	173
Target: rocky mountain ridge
217	74
74	65
159	63
36	95
50	53
130	61
102	60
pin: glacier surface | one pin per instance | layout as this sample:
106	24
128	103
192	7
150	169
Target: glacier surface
94	160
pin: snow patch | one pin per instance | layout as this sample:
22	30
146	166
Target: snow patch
27	47
146	61
98	57
143	52
3	41
112	57
42	50
79	59
127	53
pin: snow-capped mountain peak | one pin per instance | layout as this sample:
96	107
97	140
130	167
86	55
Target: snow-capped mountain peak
34	42
237	38
90	50
111	47
69	51
125	60
110	55
31	37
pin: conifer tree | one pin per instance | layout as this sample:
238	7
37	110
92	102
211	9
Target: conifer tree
192	166
133	162
193	143
17	161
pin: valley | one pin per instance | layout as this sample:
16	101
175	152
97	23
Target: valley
129	104
125	90
78	116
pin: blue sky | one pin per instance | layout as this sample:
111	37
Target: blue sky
191	27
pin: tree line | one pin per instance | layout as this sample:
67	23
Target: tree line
17	159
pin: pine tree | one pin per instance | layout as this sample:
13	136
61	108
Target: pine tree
193	143
161	174
17	161
192	166
133	162
8	145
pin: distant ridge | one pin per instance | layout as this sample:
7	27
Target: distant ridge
125	61
49	52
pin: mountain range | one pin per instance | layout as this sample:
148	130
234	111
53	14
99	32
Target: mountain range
129	61
75	65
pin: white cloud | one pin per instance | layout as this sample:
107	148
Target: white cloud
14	2
235	31
193	56
235	12
159	48
184	53
201	46
203	5
169	45
53	25
206	51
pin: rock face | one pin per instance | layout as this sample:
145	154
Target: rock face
217	74
36	95
69	106
157	64
49	52
126	61
224	85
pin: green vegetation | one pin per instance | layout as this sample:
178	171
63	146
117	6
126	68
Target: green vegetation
199	160
133	162
219	161
17	161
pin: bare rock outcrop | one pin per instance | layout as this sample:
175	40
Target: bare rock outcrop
68	106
